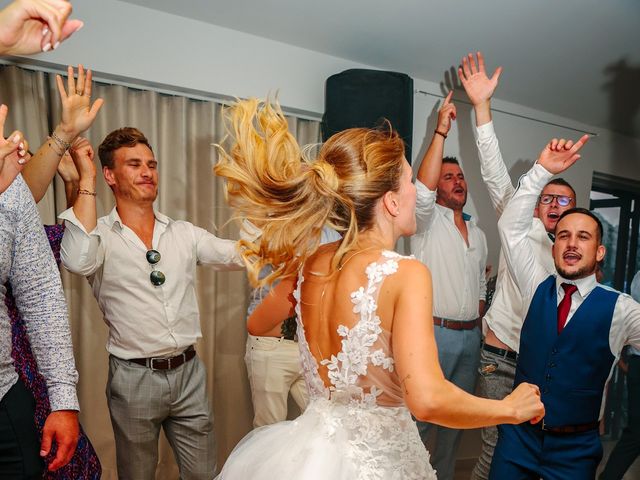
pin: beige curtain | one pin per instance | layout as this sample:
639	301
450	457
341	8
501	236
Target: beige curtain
181	130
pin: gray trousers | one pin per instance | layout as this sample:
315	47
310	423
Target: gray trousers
142	400
459	355
495	382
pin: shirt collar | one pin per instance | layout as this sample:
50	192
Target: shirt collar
585	285
447	212
114	218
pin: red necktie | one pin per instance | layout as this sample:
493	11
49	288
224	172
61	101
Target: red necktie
565	305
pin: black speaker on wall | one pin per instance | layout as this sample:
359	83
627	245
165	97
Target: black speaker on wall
363	98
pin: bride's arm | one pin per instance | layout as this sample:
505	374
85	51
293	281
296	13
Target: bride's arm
427	394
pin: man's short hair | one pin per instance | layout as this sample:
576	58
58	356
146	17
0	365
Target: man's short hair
564	183
588	213
122	137
453	160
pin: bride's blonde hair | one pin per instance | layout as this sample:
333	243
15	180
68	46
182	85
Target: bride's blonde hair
274	185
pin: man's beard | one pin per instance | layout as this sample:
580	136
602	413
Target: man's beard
454	204
580	273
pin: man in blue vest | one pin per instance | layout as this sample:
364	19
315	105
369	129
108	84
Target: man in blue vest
572	335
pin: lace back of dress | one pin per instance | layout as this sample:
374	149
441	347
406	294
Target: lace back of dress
363	370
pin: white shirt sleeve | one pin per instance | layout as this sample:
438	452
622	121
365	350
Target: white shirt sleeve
220	253
81	252
494	172
425	207
514	226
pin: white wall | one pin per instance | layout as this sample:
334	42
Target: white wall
124	40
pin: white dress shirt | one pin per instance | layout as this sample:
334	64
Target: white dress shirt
458	270
529	272
145	320
506	313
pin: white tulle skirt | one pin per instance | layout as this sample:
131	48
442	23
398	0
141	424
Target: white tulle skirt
333	441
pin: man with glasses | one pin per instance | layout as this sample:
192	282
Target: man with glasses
503	321
141	267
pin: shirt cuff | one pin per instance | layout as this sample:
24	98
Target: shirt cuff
483	132
539	176
63	397
69	216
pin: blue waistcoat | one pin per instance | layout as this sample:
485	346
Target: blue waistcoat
572	368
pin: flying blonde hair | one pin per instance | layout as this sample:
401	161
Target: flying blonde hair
274	185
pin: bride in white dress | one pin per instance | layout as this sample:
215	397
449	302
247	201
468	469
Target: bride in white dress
365	326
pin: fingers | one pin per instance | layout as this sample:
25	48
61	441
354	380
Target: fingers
87	84
69	28
447	99
465	67
472	64
480	62
95	108
47	439
80	84
4	110
66	449
496	75
54	13
71	81
61	90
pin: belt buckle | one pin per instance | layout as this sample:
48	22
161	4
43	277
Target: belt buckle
543	426
445	323
150	363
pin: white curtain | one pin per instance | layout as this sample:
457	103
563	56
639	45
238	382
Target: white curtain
181	131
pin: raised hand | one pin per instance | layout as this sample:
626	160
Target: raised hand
474	79
446	115
559	155
32	26
13	153
77	112
82	154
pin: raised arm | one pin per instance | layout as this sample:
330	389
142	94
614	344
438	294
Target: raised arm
480	89
428	395
32	26
78	114
515	223
81	251
429	169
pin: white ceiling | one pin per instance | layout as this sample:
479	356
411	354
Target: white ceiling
576	58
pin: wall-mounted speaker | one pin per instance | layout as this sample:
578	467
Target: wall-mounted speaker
363	98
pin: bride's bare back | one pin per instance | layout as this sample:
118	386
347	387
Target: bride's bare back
347	318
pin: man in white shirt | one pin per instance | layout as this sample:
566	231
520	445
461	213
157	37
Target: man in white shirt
454	248
141	266
503	320
572	335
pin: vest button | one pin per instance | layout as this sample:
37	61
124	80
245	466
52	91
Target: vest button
545	390
552	365
554	351
548	377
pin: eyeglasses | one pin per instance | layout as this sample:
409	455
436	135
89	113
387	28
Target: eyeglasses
156	276
563	200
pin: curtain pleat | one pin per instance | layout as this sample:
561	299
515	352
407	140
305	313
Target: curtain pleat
181	132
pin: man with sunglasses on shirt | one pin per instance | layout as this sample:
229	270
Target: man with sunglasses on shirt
141	267
503	321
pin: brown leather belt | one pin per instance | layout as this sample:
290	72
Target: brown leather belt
456	324
568	429
162	363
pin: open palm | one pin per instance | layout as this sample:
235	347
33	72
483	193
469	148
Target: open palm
77	112
474	79
559	155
